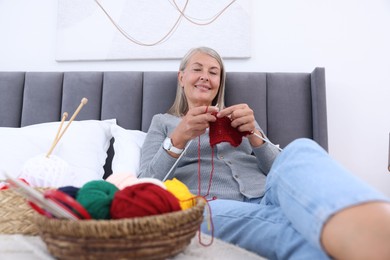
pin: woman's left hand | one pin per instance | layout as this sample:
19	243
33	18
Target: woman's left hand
243	119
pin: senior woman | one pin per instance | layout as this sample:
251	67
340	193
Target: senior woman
295	204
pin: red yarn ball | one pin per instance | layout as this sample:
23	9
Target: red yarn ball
141	200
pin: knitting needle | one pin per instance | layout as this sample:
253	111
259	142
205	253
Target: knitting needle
181	155
268	141
177	161
83	102
64	116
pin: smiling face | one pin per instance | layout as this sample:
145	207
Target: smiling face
200	79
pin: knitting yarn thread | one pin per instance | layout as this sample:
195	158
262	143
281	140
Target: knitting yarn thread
122	180
181	192
153	181
141	200
96	197
41	171
69	190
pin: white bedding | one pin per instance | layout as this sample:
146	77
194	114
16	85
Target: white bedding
19	247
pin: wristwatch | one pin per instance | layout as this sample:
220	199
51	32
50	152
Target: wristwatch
168	146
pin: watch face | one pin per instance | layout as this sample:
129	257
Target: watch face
167	144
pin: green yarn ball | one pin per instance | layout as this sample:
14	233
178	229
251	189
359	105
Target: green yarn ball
96	197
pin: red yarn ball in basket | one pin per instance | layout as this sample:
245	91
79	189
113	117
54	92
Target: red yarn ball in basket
222	131
141	200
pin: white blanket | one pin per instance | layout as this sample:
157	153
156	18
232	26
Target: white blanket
19	247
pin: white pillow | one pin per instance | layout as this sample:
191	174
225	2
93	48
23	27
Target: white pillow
83	147
127	149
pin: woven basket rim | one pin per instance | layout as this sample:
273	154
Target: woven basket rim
150	237
200	203
119	227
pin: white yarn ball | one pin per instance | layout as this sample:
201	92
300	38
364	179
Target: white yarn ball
42	171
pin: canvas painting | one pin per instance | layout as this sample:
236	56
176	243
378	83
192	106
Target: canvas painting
151	29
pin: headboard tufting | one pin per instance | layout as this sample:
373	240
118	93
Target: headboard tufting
287	105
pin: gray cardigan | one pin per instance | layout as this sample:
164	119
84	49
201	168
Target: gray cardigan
238	172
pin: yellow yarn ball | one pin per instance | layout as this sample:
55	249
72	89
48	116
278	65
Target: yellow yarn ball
181	192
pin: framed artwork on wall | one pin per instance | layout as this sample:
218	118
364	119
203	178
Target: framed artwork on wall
151	29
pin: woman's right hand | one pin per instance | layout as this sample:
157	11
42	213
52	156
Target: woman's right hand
193	124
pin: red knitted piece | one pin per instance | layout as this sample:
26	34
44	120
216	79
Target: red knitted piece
222	131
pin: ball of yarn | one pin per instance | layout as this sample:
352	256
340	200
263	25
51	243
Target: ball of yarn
96	197
70	190
152	180
141	200
181	192
42	171
122	180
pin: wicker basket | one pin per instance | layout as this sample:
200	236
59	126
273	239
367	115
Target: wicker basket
16	216
151	237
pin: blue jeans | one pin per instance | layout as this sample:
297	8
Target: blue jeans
304	188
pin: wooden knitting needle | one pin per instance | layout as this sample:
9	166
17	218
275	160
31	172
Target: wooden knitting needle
83	102
64	116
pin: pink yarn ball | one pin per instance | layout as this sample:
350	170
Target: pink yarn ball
122	180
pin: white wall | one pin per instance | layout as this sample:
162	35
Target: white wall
349	38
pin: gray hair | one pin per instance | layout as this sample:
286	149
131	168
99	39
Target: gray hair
180	105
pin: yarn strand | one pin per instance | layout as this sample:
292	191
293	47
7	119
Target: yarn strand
199	173
211	172
199	177
210	225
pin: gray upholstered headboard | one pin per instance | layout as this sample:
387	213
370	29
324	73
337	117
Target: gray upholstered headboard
287	105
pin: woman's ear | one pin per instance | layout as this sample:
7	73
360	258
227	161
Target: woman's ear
180	78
